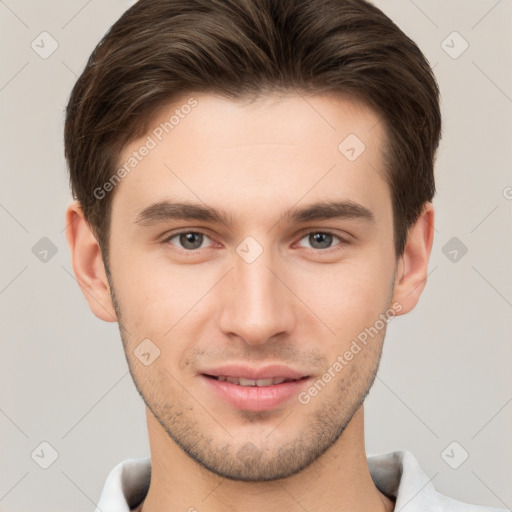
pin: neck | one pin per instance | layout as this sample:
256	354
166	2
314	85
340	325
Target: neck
339	481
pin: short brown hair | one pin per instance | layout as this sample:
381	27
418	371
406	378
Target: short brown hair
160	49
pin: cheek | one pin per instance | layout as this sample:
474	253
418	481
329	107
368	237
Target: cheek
347	297
158	299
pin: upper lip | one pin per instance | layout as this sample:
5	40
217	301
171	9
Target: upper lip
266	372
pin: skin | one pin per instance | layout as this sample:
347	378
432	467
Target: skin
298	303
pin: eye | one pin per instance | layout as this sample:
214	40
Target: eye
320	239
188	240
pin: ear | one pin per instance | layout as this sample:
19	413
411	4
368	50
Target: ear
412	267
88	264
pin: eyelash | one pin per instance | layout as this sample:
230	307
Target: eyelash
342	241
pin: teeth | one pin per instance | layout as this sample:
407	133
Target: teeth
247	382
241	381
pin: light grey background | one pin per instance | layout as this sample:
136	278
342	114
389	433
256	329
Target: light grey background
445	372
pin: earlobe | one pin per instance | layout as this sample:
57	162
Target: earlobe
88	264
412	267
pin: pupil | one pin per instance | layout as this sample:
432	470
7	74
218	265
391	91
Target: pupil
320	240
191	240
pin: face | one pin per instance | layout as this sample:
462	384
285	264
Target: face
250	254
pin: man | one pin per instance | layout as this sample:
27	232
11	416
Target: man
253	184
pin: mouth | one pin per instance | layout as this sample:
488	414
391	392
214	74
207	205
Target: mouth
243	381
254	389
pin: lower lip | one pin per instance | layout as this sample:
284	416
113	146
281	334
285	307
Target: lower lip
256	398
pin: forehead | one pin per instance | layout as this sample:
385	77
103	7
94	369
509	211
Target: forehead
273	152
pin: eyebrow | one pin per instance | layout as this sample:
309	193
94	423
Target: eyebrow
167	210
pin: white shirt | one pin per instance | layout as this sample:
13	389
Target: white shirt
396	474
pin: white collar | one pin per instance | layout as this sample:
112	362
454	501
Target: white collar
396	474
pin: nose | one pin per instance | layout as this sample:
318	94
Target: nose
257	305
